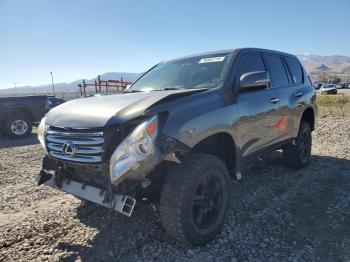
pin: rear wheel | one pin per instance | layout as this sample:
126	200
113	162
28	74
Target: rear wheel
195	198
298	155
18	126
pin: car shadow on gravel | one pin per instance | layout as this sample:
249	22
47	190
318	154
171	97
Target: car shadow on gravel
27	141
276	214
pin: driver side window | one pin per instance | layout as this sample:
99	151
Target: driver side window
251	63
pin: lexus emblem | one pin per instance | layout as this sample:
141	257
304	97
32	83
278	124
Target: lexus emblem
69	149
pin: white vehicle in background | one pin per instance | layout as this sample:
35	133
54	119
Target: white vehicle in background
339	86
329	89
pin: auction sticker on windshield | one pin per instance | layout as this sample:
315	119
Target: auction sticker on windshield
211	59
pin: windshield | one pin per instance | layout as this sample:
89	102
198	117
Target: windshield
206	71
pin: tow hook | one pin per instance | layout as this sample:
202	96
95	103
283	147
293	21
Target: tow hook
125	205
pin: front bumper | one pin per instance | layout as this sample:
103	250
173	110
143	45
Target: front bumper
117	202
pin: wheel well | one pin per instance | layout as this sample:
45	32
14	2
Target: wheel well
309	117
21	111
220	145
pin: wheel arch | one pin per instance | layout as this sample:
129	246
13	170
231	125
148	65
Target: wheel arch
221	145
21	111
309	117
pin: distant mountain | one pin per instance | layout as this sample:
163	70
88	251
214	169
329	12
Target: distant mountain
72	86
346	69
322	67
317	60
117	76
316	64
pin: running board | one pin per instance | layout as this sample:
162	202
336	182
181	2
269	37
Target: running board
120	203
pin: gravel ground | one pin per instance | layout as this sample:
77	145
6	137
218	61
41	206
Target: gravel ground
276	213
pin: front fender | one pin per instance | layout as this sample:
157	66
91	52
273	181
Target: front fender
196	129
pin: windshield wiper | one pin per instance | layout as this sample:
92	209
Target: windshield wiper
168	88
171	88
133	91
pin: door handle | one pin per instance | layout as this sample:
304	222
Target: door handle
274	100
298	94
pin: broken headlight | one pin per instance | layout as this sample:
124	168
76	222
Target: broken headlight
136	147
41	132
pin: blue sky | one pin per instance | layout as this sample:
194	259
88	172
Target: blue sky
80	39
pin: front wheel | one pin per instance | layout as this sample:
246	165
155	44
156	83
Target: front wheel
195	198
298	155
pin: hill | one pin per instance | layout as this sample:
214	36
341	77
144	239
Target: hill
316	64
69	87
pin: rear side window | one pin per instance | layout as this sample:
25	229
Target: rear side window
295	69
277	71
250	63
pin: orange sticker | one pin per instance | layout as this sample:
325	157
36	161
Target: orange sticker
282	122
281	126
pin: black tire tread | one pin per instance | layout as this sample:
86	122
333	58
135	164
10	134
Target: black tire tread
174	196
291	154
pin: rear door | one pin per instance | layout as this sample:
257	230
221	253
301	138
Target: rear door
257	109
300	89
281	82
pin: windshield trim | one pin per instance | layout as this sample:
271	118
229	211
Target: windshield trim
230	52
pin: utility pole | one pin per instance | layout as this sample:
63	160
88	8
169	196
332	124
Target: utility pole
53	85
15	87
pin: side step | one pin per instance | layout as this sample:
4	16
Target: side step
120	203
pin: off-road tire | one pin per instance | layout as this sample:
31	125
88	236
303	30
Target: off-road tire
22	117
177	198
298	155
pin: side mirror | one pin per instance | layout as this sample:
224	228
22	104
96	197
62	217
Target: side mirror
253	81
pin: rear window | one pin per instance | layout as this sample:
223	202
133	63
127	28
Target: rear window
277	71
295	69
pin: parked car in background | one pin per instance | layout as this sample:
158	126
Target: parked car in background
178	132
328	89
53	101
19	113
342	86
339	86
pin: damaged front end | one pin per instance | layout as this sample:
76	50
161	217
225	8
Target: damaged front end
100	168
115	201
137	154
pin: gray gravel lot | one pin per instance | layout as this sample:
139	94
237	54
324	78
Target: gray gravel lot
277	214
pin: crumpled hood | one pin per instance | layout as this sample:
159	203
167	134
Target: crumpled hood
100	111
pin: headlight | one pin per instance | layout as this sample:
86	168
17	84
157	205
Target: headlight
41	132
138	145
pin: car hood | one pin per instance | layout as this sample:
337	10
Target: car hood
101	111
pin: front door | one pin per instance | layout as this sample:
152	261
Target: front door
257	110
